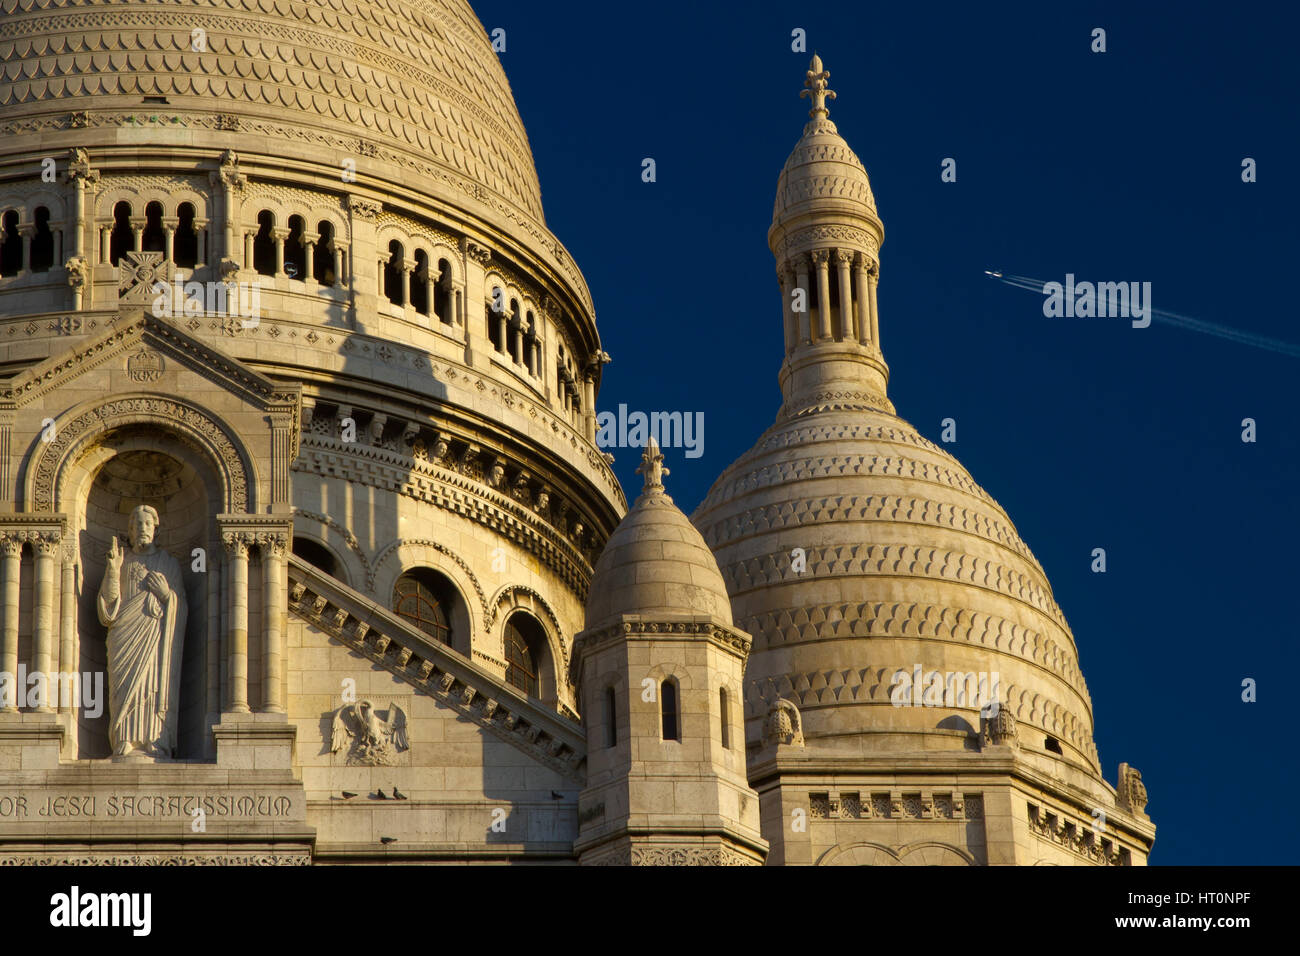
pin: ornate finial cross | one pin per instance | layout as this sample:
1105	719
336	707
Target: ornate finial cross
652	467
817	90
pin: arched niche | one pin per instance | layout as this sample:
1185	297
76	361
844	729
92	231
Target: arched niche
121	468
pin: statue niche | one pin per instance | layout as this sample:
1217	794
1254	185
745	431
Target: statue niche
143	498
142	603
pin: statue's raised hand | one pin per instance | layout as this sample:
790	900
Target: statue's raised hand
115	555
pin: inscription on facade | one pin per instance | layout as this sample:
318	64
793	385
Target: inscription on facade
116	806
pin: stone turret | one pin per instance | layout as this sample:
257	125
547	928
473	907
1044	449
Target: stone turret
659	671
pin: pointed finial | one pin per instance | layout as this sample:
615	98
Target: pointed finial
652	467
816	88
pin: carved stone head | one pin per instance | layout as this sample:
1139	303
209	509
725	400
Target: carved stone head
141	526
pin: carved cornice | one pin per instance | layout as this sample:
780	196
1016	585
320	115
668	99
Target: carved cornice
729	639
452	491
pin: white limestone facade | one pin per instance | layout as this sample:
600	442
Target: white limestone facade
283	275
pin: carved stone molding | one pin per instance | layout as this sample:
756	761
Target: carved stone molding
180	417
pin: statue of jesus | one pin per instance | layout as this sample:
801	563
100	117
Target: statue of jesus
142	603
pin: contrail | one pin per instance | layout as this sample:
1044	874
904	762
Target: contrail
1174	319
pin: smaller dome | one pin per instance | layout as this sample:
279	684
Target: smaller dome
822	175
656	564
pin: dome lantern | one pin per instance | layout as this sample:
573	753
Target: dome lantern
826	238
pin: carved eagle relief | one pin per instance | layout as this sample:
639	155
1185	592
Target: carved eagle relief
369	739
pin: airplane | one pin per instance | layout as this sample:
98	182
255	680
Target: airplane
996	275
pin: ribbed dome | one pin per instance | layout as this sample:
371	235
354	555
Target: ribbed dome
908	562
656	564
414	83
822	175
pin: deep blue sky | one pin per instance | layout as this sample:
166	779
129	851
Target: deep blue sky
1120	166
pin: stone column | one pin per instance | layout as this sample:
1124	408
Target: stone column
821	258
864	304
212	692
28	234
875	316
44	547
201	235
248	249
275	585
589	406
169	225
279	234
803	319
432	275
844	260
137	234
68	662
516	348
338	248
11	551
82	178
237	556
105	244
309	241
406	267
789	321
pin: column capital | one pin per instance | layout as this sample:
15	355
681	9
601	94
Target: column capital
820	256
273	543
844	256
279	233
237	543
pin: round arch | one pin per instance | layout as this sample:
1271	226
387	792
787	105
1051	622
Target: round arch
49	464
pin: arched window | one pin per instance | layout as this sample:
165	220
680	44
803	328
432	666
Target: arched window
316	554
442	293
611	718
295	253
42	242
423	597
419	283
154	237
724	708
122	239
185	244
671	726
323	266
525	646
11	245
264	244
530	336
393	273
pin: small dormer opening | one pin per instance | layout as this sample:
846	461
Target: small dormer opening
1052	744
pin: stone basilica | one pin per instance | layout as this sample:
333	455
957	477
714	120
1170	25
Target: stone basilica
308	553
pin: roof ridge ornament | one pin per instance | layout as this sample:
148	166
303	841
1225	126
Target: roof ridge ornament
652	467
817	90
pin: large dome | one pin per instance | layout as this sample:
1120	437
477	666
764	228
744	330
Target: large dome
908	561
413	83
862	557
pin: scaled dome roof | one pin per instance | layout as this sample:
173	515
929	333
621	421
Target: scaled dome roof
415	82
656	565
